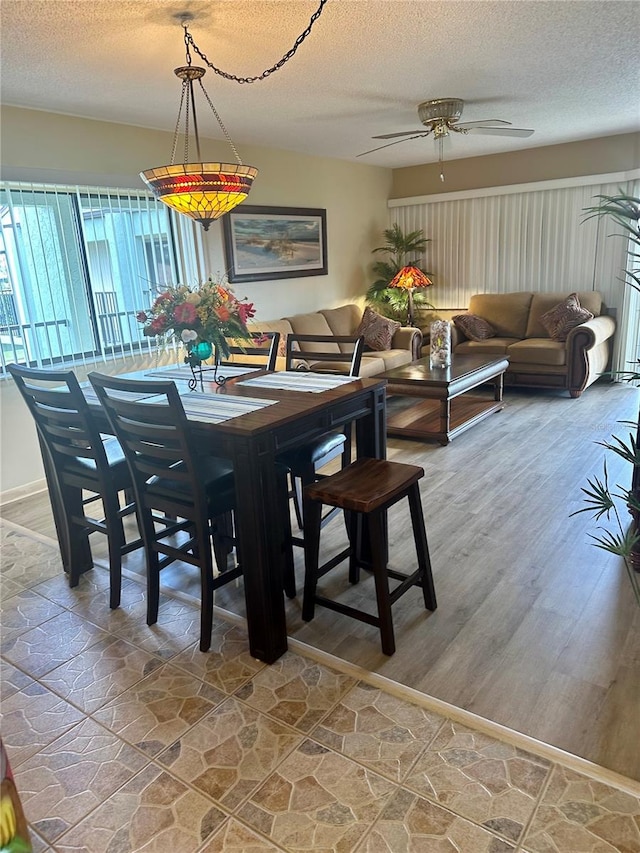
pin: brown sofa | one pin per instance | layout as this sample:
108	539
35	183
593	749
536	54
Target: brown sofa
534	359
405	345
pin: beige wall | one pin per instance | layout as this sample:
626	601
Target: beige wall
588	157
41	146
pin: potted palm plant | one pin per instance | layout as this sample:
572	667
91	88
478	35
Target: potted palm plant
603	500
401	250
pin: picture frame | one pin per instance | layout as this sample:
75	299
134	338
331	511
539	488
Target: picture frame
265	243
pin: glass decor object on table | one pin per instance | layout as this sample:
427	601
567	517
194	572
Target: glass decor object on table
440	348
203	319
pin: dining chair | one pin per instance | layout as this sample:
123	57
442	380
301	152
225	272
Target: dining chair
304	463
261	353
324	353
82	467
183	497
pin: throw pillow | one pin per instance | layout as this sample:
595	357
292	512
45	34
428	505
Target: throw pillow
565	316
474	327
376	330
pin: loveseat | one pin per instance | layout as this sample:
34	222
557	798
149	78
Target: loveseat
535	358
404	345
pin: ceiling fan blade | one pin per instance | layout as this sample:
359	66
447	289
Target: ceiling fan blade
389	144
487	122
501	131
403	133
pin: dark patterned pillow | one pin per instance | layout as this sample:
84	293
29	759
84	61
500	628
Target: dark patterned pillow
565	316
376	330
474	327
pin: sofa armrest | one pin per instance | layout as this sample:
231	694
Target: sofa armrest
408	337
588	350
592	332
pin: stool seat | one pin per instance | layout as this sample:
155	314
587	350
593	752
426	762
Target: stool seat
365	485
365	489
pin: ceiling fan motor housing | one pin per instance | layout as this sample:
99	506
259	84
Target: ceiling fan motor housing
440	109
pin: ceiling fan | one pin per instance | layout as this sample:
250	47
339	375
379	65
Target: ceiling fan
441	117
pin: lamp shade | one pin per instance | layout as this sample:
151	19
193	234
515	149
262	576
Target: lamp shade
409	278
203	191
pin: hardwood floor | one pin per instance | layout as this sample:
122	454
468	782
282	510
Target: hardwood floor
536	628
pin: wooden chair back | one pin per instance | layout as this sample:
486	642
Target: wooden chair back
336	361
260	354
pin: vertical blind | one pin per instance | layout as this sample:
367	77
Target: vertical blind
78	263
535	239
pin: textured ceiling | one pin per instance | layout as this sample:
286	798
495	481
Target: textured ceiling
566	68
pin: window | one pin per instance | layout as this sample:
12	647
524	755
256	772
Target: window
76	265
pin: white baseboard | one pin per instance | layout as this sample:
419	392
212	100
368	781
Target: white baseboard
20	492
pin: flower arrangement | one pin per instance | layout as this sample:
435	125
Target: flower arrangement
201	318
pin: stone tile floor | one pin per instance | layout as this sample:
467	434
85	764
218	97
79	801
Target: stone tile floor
128	738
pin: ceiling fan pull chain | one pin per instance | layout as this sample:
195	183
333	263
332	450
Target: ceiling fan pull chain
440	157
287	56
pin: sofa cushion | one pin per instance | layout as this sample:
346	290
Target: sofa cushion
543	302
377	330
565	316
492	346
372	364
473	327
343	321
390	357
507	312
312	324
538	351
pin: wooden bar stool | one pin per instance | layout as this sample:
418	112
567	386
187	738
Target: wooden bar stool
366	489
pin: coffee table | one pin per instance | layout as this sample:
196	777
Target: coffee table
444	408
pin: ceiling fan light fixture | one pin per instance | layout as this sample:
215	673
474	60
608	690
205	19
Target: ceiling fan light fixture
440	109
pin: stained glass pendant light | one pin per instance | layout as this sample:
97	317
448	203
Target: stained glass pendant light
203	191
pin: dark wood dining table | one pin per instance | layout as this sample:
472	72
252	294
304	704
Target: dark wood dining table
252	442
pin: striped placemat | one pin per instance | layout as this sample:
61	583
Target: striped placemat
185	373
92	398
302	381
216	408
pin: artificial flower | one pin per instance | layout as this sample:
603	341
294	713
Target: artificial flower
208	312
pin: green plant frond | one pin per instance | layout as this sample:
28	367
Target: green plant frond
615	543
628	452
623	208
598	501
399	243
633	500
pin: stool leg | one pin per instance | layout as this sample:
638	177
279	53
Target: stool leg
354	530
422	548
312	511
376	533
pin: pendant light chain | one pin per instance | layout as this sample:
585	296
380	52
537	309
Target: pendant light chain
177	128
287	56
221	123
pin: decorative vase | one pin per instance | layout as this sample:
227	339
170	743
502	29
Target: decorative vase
203	350
196	354
440	351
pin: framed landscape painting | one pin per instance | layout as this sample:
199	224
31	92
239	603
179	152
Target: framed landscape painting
264	243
